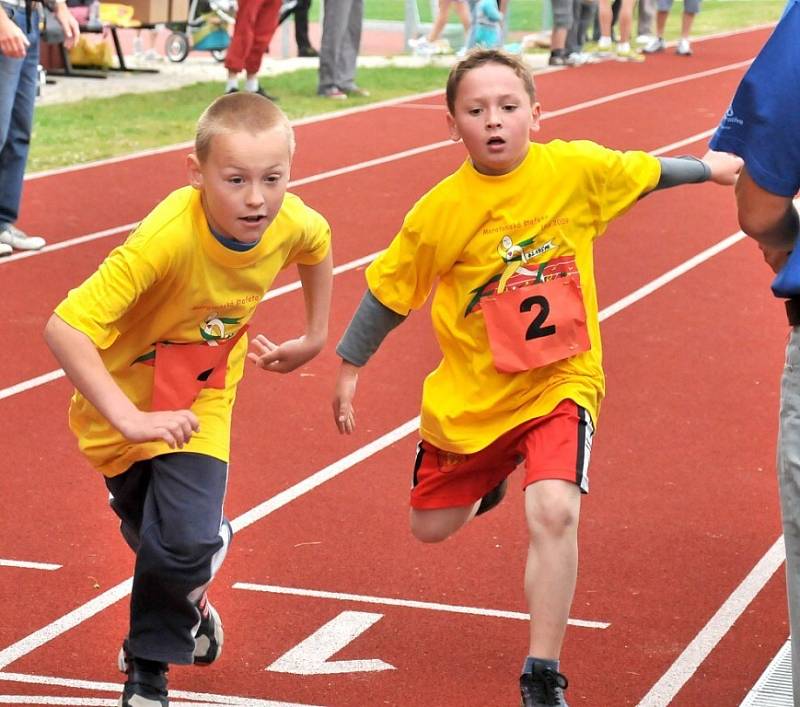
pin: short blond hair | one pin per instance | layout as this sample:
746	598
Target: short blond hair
479	57
240	111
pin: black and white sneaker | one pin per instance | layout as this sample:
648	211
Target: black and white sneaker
208	640
146	685
543	687
209	637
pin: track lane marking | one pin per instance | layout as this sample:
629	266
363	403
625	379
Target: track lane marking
406	603
46	566
201	698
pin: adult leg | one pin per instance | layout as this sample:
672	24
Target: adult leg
347	59
462	10
181	541
301	37
242	40
645	15
334	27
625	21
552	507
789	489
563	19
18	79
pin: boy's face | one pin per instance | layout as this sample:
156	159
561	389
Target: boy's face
494	117
243	181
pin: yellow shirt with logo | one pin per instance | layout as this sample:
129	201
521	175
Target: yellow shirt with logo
458	236
173	281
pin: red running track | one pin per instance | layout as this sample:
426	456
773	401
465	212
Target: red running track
683	506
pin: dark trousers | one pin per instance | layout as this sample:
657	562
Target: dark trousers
300	12
171	512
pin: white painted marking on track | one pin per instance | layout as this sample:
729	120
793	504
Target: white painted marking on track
312	655
670	683
23	564
199	698
406	603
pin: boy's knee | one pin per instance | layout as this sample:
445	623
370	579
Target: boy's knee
554	512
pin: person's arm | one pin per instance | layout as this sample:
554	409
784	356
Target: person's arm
769	218
719	167
13	42
81	362
68	22
368	328
317	281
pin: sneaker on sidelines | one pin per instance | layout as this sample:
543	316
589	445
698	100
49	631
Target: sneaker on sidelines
145	688
657	45
604	48
5	250
684	48
644	39
261	92
543	687
19	240
627	53
491	499
557	60
334	94
208	640
579	59
421	46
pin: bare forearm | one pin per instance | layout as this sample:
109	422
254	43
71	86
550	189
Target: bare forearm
82	363
769	218
317	283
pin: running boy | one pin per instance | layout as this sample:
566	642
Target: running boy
507	241
154	342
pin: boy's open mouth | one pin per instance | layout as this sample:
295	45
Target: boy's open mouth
496	140
255	218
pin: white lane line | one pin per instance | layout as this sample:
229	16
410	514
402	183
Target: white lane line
200	698
323	117
46	566
50	631
32	383
663	692
407	603
394	157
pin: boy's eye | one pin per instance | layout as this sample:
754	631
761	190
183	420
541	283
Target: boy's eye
272	178
235	180
509	107
474	111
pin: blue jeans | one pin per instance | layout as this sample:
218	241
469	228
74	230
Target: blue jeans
18	78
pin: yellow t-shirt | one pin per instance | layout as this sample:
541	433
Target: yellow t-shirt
455	237
173	281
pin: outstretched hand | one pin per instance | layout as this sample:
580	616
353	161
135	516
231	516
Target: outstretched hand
281	358
175	427
343	412
725	167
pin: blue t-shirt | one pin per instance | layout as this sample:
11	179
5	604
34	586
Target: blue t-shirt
762	125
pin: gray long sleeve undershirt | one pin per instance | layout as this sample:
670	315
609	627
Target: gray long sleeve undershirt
685	169
373	321
368	328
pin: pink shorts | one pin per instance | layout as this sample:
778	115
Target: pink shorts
555	446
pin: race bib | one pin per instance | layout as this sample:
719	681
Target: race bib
535	325
183	370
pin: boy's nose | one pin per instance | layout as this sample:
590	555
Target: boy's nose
254	195
493	120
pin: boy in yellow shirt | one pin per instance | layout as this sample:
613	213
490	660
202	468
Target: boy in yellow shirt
507	242
154	342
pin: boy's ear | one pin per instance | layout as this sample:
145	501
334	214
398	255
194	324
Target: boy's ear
452	128
195	173
536	114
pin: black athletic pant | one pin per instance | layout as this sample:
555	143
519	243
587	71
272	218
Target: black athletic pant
171	512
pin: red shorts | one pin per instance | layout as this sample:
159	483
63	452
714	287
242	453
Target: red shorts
554	446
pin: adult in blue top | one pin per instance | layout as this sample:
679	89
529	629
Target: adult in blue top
762	126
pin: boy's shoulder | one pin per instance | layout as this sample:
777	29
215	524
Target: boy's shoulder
296	212
174	210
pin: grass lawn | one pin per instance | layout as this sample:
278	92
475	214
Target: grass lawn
93	129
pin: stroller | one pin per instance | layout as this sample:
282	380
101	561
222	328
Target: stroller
206	29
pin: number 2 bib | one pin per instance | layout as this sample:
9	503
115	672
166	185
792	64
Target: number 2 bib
534	325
